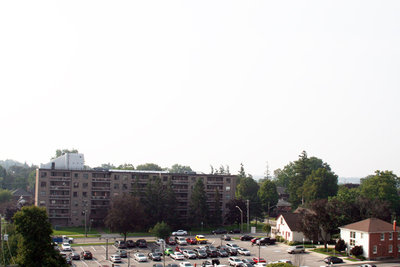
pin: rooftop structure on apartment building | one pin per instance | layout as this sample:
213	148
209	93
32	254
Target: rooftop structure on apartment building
69	192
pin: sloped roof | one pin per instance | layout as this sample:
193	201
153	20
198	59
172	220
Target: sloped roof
283	203
371	225
293	221
281	190
20	192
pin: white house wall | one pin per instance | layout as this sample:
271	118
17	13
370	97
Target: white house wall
362	239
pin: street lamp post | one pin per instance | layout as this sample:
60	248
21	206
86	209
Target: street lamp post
241	217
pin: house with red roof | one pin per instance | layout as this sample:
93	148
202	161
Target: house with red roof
379	239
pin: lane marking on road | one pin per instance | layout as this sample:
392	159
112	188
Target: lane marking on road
82	248
97	262
103	247
84	263
93	248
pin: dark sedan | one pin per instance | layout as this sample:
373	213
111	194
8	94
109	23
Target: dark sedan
246	237
332	259
219	232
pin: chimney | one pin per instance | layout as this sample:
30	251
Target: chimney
394	225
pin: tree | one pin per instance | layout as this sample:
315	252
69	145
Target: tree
216	216
171	205
320	184
34	245
5	195
383	186
340	245
241	174
198	208
60	152
268	195
161	230
126	166
149	167
233	215
154	201
357	251
247	189
125	215
177	168
267	228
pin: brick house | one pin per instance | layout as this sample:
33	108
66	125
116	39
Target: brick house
378	238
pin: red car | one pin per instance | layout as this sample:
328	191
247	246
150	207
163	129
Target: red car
257	260
178	248
191	241
254	240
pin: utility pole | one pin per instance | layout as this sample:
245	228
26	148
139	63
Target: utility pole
248	215
106	248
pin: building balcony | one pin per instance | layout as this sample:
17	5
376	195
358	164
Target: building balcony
59	187
60	179
59	196
59	206
100	197
97	206
54	216
99	188
101	179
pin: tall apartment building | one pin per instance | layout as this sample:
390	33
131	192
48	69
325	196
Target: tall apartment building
69	193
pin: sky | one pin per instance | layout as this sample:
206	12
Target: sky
202	83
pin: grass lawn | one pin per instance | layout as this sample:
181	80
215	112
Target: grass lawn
75	232
329	252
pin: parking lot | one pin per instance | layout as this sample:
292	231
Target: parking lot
270	253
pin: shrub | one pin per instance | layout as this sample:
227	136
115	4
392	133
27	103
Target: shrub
357	251
279	238
340	245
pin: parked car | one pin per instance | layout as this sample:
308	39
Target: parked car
120	244
130	243
66	247
189	254
232	248
250	261
246	237
122	253
332	259
201	239
222	253
266	241
211	251
159	242
180	233
177	256
200	253
74	256
220	231
185	264
140	257
235	231
281	261
115	258
244	251
141	243
86	255
191	241
168	251
172	265
181	241
254	240
296	249
257	260
210	263
234	261
260	264
155	256
157	265
227	238
170	241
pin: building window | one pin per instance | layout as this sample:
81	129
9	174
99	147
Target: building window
362	235
116	177
228	188
398	235
382	237
398	247
125	177
352	242
85	185
124	186
375	249
42	193
43	174
165	178
390	249
76	185
116	186
76	175
352	234
76	203
75	194
85	175
84	194
43	184
390	236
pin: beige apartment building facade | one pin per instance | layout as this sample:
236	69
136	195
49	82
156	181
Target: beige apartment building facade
72	196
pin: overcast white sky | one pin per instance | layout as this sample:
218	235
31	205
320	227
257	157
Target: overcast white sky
202	82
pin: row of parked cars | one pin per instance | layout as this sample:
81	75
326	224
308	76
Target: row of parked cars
140	243
220	231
